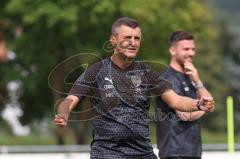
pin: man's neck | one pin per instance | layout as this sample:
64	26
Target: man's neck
177	66
120	61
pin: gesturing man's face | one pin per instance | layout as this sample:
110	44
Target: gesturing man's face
127	41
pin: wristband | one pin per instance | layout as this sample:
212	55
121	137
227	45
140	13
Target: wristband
199	86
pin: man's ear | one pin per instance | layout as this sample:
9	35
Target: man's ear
172	50
113	40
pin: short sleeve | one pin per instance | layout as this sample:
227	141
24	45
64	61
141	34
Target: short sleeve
86	83
158	85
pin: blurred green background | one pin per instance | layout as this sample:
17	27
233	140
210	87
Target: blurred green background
44	33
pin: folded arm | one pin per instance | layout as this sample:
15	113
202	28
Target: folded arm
186	104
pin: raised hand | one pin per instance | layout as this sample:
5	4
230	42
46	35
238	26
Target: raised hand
192	72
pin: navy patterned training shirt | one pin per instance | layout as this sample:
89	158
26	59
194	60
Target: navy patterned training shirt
120	103
177	138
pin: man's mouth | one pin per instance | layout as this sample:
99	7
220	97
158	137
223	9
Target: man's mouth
131	49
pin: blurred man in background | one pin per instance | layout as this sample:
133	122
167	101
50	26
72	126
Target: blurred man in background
3	51
10	92
179	137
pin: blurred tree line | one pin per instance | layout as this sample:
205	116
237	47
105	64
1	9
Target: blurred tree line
228	19
44	33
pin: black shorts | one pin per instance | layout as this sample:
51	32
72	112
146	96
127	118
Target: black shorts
152	156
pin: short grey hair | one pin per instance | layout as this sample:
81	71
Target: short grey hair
132	23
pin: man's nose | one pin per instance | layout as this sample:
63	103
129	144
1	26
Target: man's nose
191	52
132	41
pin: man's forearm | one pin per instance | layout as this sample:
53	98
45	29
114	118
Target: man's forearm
186	104
190	116
64	107
63	110
180	103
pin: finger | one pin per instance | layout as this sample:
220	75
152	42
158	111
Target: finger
59	116
187	68
203	108
60	123
189	65
207	99
209	102
210	108
59	120
188	72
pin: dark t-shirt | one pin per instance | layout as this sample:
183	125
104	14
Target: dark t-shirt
177	138
120	99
